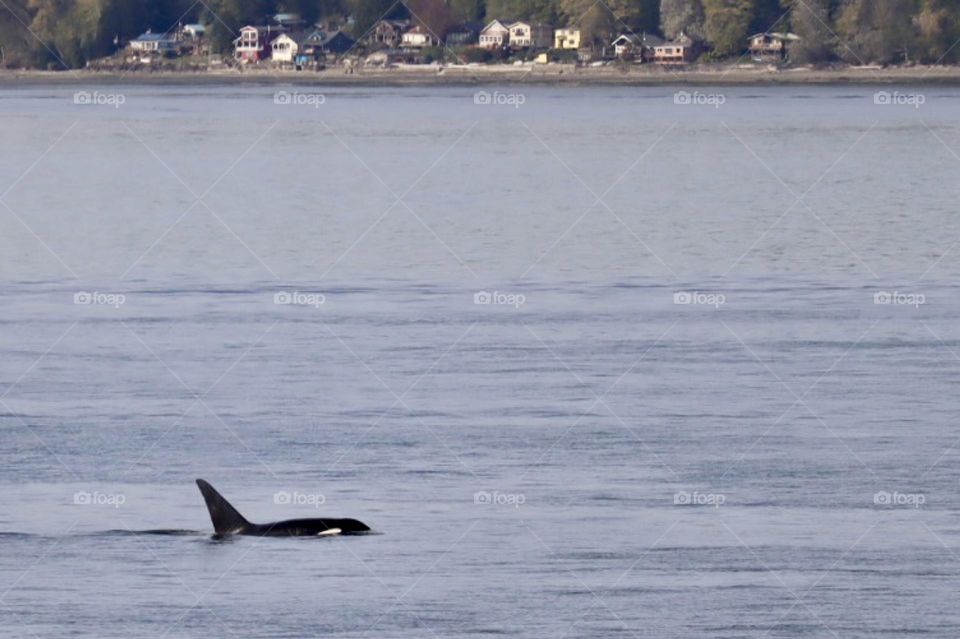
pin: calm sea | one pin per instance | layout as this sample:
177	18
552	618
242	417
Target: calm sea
594	362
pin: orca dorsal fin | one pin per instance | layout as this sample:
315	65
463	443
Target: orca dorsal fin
226	519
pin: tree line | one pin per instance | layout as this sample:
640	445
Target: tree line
68	33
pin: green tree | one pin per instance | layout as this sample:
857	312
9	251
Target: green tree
810	19
938	28
682	16
727	25
467	10
878	31
15	39
69	31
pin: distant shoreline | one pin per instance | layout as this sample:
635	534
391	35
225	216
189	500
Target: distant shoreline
553	74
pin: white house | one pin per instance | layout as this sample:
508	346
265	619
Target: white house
495	35
253	43
418	37
283	49
524	35
566	39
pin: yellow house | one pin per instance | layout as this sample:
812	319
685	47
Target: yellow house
566	39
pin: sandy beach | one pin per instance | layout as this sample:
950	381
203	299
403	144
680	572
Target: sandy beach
744	74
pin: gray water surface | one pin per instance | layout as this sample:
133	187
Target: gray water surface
582	457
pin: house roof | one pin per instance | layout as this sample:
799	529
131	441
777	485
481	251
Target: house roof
315	37
777	35
417	29
268	28
495	23
153	37
283	35
338	34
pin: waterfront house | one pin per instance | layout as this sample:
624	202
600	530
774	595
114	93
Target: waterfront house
253	43
626	45
387	33
194	31
418	37
462	35
566	39
310	49
770	46
337	43
159	43
524	35
283	49
679	51
630	46
495	35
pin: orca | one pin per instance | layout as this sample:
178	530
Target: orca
228	521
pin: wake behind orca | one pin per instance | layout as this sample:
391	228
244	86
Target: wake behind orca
227	521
